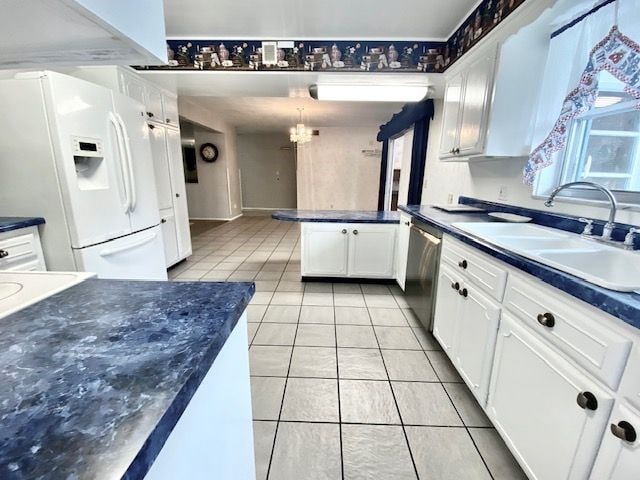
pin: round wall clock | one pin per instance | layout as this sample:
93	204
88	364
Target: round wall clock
209	152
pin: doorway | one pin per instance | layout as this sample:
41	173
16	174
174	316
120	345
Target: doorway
398	170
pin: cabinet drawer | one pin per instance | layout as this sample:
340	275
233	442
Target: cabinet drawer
574	328
22	251
479	268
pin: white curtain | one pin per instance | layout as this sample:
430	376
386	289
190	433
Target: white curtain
569	54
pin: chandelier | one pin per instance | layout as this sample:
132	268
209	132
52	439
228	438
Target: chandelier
300	134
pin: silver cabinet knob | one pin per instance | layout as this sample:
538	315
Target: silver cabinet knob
355	232
344	230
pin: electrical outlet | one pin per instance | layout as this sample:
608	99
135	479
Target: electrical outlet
450	199
503	194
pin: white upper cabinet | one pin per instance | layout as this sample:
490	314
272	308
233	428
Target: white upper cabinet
82	32
491	96
475	106
154	103
451	116
170	107
466	109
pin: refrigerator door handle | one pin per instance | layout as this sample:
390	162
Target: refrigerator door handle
127	148
129	246
121	157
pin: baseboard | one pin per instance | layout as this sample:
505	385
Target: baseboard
262	212
219	219
268	209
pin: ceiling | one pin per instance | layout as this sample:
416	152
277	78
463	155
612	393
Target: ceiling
268	101
260	101
269	114
332	19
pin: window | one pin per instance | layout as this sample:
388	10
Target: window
603	145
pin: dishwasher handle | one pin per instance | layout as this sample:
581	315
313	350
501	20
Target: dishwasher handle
430	238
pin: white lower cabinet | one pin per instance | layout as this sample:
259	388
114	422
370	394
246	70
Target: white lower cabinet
534	402
21	250
325	247
170	240
348	250
475	340
178	184
402	251
466	324
372	251
447	310
619	455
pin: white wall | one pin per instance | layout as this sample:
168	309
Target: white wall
268	170
484	179
217	193
334	174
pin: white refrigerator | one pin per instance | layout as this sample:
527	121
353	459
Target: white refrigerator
79	155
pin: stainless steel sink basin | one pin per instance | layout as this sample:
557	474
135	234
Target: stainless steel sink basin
21	289
600	264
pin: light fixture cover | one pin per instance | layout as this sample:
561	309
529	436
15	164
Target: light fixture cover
369	93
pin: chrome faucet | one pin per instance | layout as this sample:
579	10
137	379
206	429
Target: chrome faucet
610	225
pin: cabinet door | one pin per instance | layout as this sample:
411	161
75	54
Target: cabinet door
619	459
533	403
154	103
170	107
372	250
169	236
178	186
133	86
324	249
451	117
478	320
161	169
475	105
404	231
447	310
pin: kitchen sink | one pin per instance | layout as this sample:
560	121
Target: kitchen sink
21	289
600	264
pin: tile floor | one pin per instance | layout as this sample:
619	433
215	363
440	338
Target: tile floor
345	382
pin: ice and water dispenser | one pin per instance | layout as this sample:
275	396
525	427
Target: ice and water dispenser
88	158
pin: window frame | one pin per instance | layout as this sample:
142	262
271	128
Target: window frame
577	139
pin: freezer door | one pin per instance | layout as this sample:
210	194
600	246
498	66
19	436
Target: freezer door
139	256
86	149
143	204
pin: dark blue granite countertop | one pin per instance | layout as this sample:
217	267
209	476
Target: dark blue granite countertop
625	306
95	378
337	216
14	223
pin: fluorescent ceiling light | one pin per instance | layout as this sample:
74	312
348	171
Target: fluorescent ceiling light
369	93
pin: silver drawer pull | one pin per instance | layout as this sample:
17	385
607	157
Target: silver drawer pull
4	254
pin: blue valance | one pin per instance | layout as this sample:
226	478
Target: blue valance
410	114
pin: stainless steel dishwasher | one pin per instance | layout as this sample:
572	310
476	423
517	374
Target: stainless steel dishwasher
423	264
